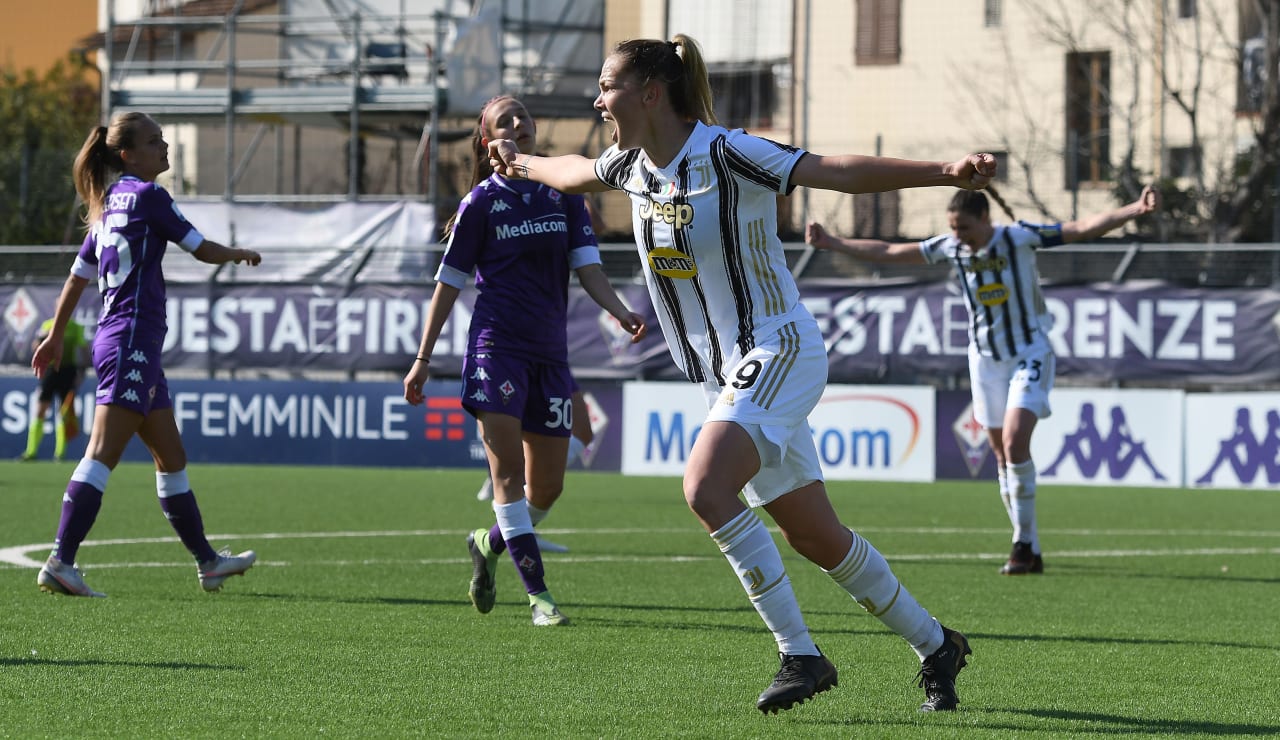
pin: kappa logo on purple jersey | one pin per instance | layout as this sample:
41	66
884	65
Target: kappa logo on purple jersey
1246	454
480	375
480	396
1118	450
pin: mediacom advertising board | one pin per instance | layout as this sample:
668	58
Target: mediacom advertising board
879	432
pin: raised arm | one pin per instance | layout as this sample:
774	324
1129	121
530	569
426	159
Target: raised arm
852	173
1092	227
871	250
568	173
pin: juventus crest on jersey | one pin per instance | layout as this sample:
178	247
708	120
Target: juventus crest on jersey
707	232
1001	285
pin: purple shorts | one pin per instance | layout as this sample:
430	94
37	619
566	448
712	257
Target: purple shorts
130	378
537	393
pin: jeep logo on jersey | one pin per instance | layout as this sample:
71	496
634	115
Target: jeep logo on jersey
672	263
993	294
993	264
679	215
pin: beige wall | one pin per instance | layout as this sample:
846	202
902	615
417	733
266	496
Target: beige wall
35	35
961	87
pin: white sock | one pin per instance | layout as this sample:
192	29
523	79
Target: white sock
865	574
1022	488
92	472
536	515
751	552
513	519
576	448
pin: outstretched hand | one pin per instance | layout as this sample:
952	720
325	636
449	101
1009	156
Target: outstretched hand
503	154
815	235
1148	201
974	172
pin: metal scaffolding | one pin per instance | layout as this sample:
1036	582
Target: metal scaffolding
365	70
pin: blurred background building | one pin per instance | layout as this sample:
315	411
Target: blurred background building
308	103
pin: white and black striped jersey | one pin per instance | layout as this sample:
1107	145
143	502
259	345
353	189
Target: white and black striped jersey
706	227
1001	285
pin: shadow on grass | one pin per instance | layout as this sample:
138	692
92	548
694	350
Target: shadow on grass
1102	571
25	661
1104	640
1120	724
1093	723
1078	567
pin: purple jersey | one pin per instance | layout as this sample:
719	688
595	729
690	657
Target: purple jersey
123	252
521	238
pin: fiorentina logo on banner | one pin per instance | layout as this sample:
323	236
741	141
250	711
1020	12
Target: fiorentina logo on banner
971	438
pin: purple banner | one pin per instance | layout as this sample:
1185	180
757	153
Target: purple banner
899	333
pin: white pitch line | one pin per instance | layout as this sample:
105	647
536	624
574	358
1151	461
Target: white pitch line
18	555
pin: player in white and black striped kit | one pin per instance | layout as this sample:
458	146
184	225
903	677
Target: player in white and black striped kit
705	221
1011	365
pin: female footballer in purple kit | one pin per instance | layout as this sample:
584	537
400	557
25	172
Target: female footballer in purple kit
521	239
131	220
705	219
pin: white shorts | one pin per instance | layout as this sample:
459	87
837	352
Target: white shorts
769	393
1021	383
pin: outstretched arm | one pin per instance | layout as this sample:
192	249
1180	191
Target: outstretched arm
871	250
1092	227
852	173
569	173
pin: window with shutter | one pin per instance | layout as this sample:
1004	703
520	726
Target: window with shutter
1088	135
876	38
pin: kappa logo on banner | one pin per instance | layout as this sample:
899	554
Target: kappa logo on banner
446	420
1247	455
1119	450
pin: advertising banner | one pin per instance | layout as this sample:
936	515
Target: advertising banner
323	327
1233	440
887	333
861	432
308	423
1127	331
1111	437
